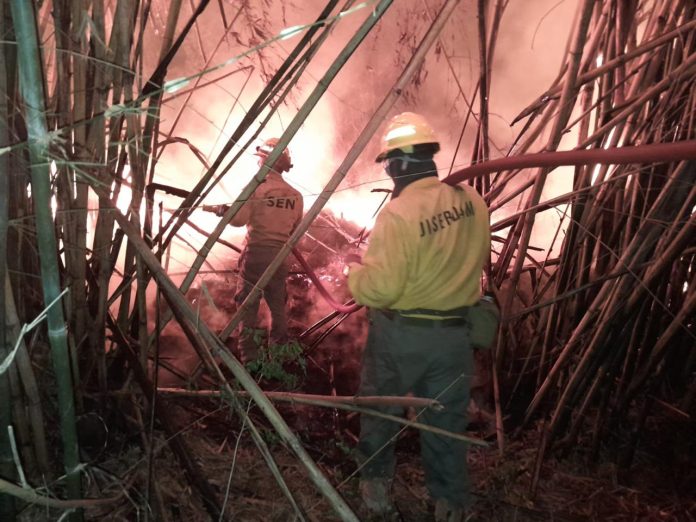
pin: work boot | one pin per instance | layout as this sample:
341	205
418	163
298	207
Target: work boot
250	343
445	511
376	494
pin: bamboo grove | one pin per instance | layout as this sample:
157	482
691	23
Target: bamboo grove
595	337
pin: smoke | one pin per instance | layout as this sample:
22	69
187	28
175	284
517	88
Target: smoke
529	49
337	344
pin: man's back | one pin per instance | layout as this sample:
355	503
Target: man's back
426	250
272	213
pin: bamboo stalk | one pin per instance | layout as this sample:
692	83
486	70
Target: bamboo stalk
354	404
102	263
484	65
31	83
7	510
640	246
32	497
26	372
304	398
76	233
150	134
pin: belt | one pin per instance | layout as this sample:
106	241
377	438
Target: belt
397	318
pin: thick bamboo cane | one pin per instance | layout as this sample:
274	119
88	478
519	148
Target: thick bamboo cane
114	75
305	398
29	385
96	144
76	230
122	35
661	348
484	79
31	88
354	404
139	165
362	140
152	113
610	65
639	247
7	469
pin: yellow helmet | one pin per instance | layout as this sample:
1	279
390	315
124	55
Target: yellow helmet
403	132
283	163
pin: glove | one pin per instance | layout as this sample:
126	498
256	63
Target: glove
347	260
218	210
352	258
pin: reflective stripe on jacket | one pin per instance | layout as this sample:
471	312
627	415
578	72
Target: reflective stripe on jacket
272	213
427	250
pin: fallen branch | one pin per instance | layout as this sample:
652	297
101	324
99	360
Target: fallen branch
306	398
329	402
31	496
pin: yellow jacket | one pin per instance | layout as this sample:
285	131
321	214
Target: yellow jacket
427	250
271	214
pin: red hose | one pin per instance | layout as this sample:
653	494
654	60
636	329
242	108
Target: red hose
653	153
345	309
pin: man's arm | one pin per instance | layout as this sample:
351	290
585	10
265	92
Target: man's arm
380	280
242	217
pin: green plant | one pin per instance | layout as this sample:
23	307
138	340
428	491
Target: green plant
274	361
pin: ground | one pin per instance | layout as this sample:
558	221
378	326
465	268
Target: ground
569	488
644	475
574	483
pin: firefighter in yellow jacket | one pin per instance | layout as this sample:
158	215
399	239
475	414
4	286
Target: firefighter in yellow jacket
420	273
270	216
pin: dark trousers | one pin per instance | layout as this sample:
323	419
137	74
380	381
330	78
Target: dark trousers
430	362
252	264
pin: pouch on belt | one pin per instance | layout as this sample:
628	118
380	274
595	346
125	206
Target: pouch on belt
484	317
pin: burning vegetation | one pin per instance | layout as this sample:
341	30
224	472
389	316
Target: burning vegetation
121	391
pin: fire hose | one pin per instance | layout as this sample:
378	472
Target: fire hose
343	308
616	155
653	153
